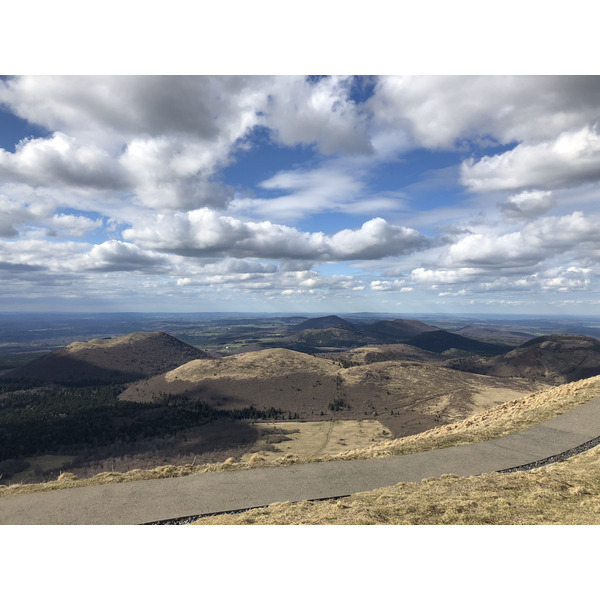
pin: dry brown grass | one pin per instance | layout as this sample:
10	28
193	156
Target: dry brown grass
563	493
69	480
499	421
317	438
262	364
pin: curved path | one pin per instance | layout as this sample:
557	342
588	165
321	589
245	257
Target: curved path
154	500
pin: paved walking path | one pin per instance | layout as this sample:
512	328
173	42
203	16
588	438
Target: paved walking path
154	500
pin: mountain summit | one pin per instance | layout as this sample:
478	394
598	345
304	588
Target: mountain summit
332	321
110	360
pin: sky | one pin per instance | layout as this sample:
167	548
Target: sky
293	193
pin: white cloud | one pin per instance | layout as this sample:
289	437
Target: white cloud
566	279
72	225
114	110
462	292
61	161
572	159
118	256
164	139
438	112
444	276
507	284
205	233
336	186
526	205
18	216
51	256
535	242
321	113
147	155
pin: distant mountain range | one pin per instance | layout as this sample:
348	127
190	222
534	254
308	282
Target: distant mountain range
335	332
553	358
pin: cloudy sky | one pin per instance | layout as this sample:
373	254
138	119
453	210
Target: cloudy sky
292	193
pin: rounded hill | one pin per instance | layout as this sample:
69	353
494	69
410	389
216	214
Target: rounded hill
325	323
555	359
405	396
110	360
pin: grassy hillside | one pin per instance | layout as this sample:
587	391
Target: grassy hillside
385	352
405	396
331	321
398	330
442	341
110	360
555	358
496	422
494	336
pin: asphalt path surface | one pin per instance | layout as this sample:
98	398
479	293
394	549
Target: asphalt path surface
150	501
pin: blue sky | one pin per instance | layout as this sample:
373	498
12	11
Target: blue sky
289	193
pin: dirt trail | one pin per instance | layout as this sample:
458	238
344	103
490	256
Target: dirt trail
326	440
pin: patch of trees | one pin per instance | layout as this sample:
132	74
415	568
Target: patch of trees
338	404
65	419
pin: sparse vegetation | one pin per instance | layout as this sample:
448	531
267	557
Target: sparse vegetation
501	420
563	493
496	422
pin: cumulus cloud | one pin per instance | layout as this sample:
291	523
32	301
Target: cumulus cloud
50	256
391	286
18	216
526	205
117	109
445	276
163	173
508	284
572	159
143	158
118	256
61	161
462	292
530	260
172	174
534	243
204	232
159	140
566	279
77	257
439	112
265	280
164	139
321	113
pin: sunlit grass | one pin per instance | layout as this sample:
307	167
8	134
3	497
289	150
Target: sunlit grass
562	493
495	422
